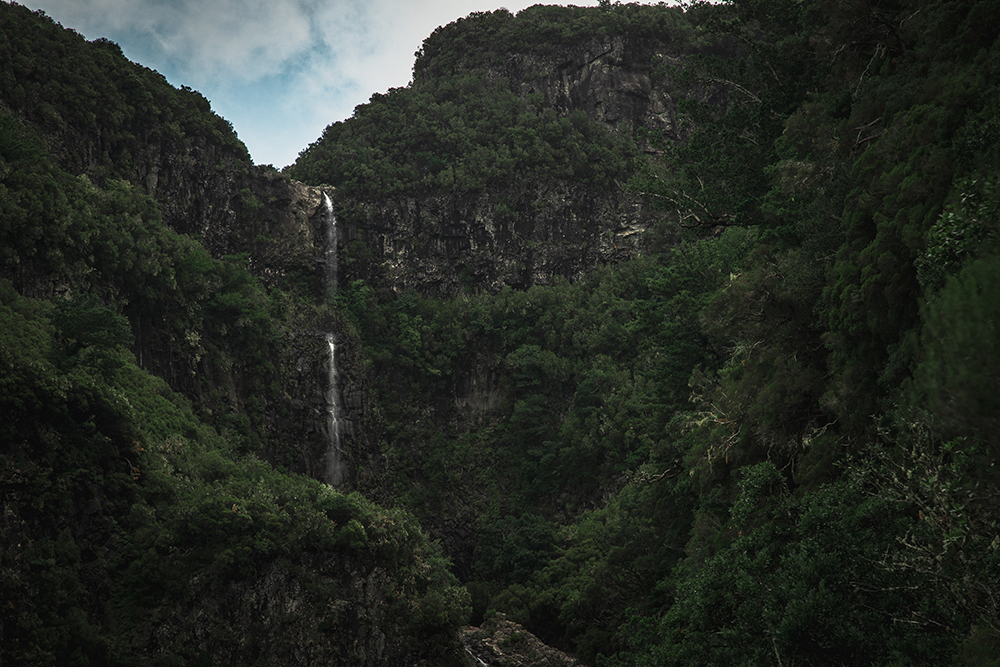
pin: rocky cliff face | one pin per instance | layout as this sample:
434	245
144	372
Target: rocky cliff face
279	225
283	235
235	207
502	643
303	441
614	81
442	244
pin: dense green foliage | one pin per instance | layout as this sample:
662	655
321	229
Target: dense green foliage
826	496
129	509
489	38
122	504
81	91
590	371
62	234
874	198
459	135
771	440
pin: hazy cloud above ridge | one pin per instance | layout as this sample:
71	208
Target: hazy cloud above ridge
202	39
279	70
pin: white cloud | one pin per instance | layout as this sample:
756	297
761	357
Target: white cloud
238	39
205	39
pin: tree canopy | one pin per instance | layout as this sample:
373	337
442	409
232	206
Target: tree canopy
768	439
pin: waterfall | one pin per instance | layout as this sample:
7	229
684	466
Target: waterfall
479	661
330	253
336	470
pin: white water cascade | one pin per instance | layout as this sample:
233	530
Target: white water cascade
330	251
336	470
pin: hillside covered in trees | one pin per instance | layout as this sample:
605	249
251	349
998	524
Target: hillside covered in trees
670	334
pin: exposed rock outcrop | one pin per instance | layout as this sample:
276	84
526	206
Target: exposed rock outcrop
614	81
304	414
442	244
503	643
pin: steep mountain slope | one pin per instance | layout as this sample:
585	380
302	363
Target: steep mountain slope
139	526
503	163
479	177
675	330
754	442
117	127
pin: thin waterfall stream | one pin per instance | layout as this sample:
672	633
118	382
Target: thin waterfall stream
336	470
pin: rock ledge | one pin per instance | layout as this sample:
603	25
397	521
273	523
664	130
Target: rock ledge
503	643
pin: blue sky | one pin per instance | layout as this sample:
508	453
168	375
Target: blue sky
279	70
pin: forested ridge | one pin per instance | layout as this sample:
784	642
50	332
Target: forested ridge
767	438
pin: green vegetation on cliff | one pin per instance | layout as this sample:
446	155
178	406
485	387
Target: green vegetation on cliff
489	38
769	439
140	525
101	111
125	514
456	135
